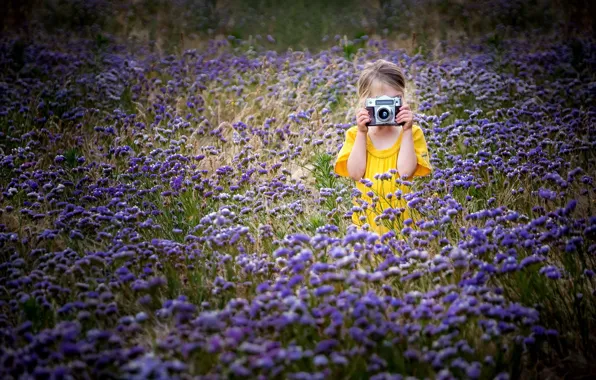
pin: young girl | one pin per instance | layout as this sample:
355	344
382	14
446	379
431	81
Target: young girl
378	155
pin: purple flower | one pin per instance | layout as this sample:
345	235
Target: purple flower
323	290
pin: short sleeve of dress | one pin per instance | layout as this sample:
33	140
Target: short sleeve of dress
341	162
424	167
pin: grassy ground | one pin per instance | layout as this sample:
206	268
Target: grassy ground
213	245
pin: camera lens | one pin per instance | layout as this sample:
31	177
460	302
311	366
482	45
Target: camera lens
383	114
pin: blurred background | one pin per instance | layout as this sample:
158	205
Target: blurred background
418	25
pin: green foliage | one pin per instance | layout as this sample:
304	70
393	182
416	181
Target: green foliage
101	41
127	102
323	170
37	314
174	285
315	221
72	156
495	40
18	54
349	51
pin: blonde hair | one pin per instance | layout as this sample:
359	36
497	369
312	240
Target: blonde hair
383	71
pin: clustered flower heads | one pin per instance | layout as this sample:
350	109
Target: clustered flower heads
153	223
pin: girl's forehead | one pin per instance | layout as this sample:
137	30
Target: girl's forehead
379	88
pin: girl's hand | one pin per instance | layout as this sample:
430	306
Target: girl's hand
405	115
362	118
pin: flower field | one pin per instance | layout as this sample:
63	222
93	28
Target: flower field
177	216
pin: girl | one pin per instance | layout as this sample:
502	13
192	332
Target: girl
380	155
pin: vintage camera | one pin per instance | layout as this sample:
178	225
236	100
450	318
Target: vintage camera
382	110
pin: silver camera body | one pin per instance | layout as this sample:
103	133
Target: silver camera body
383	109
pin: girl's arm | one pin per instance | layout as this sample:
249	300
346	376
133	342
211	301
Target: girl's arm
413	153
406	159
357	158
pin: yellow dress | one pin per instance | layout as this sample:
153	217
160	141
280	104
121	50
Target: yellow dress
380	161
